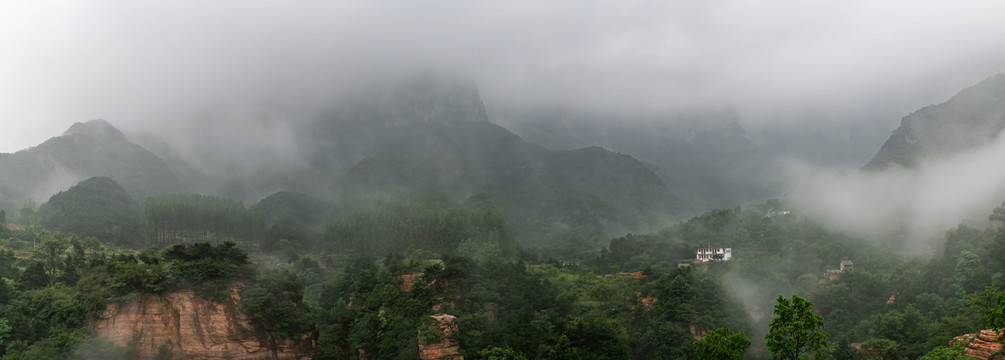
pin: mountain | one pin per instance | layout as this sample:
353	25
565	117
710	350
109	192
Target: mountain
350	130
428	134
434	135
702	155
486	165
970	119
94	148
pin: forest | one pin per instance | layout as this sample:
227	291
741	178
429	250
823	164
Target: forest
362	278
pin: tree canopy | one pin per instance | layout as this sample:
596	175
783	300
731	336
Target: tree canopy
96	207
795	330
721	344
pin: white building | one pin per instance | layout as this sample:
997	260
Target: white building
706	254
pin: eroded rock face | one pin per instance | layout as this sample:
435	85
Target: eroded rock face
185	326
407	280
980	346
446	346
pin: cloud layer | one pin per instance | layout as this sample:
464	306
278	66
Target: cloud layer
915	206
154	65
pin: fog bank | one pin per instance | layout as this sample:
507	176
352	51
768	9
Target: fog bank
920	204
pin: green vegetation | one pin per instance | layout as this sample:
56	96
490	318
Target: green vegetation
336	275
537	310
292	217
796	330
721	344
277	303
376	227
48	298
181	218
96	207
945	353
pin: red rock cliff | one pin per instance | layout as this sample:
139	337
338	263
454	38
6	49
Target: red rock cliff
446	346
188	327
980	346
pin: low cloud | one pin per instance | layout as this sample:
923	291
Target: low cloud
156	66
916	206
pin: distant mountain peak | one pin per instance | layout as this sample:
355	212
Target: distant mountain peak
97	128
428	98
972	118
435	98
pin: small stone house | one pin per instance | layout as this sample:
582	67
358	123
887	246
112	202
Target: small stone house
846	265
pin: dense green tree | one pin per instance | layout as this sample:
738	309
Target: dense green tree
34	276
178	218
28	215
842	349
96	207
946	353
7	265
795	330
966	264
995	314
594	337
908	329
379	226
292	216
276	302
206	268
497	353
721	344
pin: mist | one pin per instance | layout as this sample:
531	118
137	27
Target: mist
157	67
918	204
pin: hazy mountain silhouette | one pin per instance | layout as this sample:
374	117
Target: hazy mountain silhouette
94	148
970	119
702	155
434	135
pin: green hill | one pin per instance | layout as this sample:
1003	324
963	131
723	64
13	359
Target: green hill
96	207
295	217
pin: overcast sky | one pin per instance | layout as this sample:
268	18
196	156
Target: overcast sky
146	65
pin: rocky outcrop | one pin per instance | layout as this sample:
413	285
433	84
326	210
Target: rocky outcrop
407	280
624	275
180	325
439	341
980	346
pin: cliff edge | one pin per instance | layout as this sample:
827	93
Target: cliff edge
180	325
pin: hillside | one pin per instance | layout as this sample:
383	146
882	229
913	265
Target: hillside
94	148
96	207
433	135
970	119
427	134
702	155
485	165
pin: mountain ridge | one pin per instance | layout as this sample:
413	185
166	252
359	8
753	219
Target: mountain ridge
973	117
86	149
